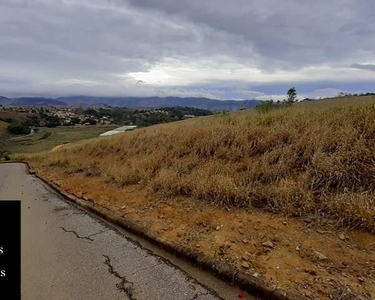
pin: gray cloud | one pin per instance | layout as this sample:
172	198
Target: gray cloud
295	32
370	67
145	47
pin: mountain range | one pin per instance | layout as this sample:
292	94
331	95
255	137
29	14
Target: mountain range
133	102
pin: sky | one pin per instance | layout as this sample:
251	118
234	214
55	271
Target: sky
238	49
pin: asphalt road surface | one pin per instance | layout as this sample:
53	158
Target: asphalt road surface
68	254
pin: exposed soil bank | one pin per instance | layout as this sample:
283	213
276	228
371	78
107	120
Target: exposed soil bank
312	257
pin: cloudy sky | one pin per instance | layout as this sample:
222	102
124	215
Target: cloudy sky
238	49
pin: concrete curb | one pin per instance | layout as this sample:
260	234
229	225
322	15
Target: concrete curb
221	270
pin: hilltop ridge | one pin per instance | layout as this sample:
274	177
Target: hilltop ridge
133	102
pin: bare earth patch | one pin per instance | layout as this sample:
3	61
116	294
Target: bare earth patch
313	257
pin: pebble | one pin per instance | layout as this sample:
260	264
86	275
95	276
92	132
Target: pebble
245	265
268	244
361	280
320	255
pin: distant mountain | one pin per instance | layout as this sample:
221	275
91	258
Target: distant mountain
99	105
4	100
134	102
156	102
35	101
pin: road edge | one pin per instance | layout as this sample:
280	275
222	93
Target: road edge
217	268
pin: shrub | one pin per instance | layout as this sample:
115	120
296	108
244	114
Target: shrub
18	128
4	155
265	106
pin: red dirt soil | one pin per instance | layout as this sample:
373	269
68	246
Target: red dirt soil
313	257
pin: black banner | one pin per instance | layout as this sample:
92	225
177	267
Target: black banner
10	250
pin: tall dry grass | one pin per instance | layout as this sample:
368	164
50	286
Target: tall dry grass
292	161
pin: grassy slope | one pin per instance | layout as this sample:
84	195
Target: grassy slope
313	157
3	130
41	141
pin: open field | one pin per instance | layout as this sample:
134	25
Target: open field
288	194
48	138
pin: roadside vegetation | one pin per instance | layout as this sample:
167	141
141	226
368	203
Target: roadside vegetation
310	157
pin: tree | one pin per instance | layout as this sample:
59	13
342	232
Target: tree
265	106
91	112
74	121
90	121
32	121
291	95
52	121
18	128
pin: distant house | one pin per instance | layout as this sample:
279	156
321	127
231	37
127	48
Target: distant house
189	116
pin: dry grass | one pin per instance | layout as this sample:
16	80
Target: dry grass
3	130
308	158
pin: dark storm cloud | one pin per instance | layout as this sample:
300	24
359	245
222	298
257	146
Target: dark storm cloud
146	47
293	31
363	66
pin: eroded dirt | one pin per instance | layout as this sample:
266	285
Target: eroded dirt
312	257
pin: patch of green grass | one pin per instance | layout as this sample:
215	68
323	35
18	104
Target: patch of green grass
48	138
45	135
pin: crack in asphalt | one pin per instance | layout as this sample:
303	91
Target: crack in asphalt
198	295
77	235
126	286
100	232
84	237
72	214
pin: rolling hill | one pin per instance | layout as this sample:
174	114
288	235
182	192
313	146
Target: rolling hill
300	159
36	101
274	193
156	102
4	100
133	102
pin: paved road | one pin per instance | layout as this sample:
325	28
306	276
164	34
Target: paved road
68	254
